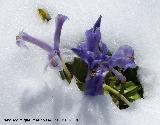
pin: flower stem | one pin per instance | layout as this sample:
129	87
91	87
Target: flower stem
67	72
115	92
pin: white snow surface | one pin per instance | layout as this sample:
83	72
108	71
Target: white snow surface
27	92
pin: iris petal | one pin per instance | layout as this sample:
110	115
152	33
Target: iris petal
93	85
54	60
119	75
60	19
123	58
98	23
93	37
93	40
24	37
20	42
130	65
84	54
104	49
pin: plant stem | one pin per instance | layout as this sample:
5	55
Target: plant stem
115	92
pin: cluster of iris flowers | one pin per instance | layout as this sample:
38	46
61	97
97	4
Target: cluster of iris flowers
103	71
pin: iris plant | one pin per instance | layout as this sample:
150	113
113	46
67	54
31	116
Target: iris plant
93	52
96	55
54	56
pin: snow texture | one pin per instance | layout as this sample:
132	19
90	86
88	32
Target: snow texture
28	92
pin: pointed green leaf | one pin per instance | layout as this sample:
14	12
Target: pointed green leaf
135	96
62	75
78	68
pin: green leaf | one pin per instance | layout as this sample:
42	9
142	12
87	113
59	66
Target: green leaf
112	83
106	92
108	77
135	97
78	69
62	74
131	75
80	85
129	84
122	88
114	92
130	87
67	73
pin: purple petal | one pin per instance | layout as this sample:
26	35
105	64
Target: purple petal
84	54
93	39
93	86
130	65
54	60
98	23
103	69
60	19
24	37
119	75
20	42
94	64
123	57
104	49
124	51
79	52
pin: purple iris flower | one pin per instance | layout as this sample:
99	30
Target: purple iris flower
53	52
89	51
123	58
95	53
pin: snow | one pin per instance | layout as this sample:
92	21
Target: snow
26	91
